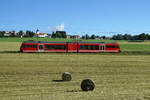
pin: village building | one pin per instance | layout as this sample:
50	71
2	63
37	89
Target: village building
68	36
41	35
10	33
76	36
7	34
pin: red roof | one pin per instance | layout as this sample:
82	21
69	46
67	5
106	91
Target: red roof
42	34
76	36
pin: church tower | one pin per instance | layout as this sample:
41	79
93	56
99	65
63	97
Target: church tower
37	31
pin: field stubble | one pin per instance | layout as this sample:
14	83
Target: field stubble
30	76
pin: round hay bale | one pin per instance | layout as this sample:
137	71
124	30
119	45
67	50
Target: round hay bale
66	76
87	85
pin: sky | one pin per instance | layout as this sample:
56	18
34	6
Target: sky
101	17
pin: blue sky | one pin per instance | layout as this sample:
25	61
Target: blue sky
80	16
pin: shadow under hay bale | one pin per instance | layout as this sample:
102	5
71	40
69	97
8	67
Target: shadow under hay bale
57	80
66	76
10	52
87	85
74	91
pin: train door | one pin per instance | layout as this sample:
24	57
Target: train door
102	48
72	47
40	48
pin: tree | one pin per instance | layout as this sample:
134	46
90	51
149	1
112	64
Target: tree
2	33
148	37
64	35
97	37
12	33
143	36
59	34
135	37
117	37
103	37
87	36
127	37
83	37
21	33
53	35
93	36
29	33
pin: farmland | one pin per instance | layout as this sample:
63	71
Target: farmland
35	76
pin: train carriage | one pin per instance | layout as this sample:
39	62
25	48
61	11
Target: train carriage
28	46
89	47
111	47
55	47
72	47
41	46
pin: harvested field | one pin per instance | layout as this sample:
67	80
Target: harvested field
29	76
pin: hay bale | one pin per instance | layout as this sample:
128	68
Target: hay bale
66	76
87	85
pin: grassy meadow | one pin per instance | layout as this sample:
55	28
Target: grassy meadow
35	76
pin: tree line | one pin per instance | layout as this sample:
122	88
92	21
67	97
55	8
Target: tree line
63	34
59	34
142	36
28	33
93	36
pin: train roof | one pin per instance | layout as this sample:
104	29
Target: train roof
30	41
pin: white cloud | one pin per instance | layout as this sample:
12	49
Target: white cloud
61	27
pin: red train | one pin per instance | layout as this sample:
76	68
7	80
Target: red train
41	46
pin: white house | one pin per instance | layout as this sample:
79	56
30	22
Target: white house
10	33
7	34
42	35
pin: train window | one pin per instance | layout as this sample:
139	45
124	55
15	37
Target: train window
81	47
55	47
107	46
40	47
89	47
118	46
31	46
49	47
60	47
112	46
86	47
94	47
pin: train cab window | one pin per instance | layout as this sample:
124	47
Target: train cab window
118	46
23	46
31	46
